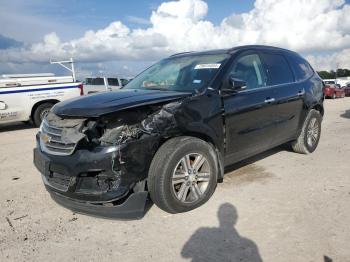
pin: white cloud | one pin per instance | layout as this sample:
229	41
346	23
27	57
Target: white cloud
176	26
333	61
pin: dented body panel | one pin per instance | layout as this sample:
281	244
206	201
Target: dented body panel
106	170
110	102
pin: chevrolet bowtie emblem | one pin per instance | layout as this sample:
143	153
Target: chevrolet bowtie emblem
45	138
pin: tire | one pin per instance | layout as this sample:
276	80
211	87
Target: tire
304	144
40	112
170	157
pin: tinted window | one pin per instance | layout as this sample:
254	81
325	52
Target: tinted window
95	81
249	69
278	69
113	81
329	82
302	69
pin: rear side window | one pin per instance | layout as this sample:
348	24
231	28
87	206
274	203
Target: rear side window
301	68
278	69
113	81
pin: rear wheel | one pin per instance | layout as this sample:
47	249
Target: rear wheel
310	134
183	174
40	112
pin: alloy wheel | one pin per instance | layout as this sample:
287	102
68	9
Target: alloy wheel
191	178
313	131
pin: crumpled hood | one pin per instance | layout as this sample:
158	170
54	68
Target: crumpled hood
108	102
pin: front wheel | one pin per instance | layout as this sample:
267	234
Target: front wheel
310	134
183	174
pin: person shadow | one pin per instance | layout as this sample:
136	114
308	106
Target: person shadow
223	243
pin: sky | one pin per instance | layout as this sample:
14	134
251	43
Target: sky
123	37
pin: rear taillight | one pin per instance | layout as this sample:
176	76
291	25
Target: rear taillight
81	87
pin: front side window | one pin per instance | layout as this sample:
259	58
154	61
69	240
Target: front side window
249	69
279	71
184	73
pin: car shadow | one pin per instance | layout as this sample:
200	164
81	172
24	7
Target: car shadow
346	114
15	126
253	159
222	243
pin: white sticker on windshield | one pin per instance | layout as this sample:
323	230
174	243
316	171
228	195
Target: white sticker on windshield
197	81
207	66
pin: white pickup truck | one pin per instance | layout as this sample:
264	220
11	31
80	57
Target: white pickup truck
102	84
29	97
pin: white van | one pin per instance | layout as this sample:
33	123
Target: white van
25	97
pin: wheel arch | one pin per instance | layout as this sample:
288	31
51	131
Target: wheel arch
35	106
319	108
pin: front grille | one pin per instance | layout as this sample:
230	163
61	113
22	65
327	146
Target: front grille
51	140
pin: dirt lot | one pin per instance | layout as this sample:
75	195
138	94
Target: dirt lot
278	206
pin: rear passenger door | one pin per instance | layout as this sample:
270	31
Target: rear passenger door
287	96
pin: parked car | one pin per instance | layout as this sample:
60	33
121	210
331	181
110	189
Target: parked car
347	89
172	130
102	84
333	90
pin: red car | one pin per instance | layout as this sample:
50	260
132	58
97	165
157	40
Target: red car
333	90
347	89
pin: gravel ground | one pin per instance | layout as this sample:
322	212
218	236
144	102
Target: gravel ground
278	206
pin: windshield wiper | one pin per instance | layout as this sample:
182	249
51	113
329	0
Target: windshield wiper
155	88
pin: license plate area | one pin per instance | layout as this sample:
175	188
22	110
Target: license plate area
42	163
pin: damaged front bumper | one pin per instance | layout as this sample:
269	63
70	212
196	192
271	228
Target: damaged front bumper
93	182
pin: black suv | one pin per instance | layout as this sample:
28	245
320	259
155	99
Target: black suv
170	132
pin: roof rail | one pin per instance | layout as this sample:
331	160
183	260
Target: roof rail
182	53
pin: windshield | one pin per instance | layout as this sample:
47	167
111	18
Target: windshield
184	74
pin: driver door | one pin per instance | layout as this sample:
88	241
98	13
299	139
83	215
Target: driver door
248	112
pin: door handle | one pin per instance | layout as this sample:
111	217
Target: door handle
269	100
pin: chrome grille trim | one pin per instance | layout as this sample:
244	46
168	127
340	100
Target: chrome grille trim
53	143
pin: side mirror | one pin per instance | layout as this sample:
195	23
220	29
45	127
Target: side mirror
234	85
